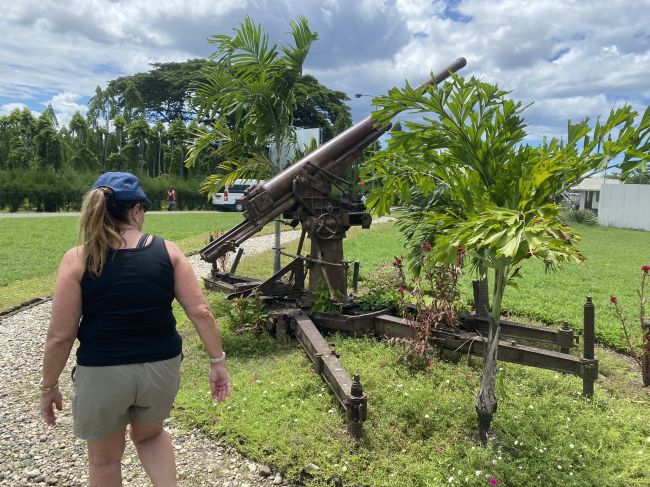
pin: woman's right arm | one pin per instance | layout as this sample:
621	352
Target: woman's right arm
189	295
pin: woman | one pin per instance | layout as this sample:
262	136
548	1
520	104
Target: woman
114	294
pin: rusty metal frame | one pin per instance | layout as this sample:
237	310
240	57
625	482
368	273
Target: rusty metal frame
460	340
347	391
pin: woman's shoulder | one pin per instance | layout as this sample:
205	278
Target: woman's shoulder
171	246
73	260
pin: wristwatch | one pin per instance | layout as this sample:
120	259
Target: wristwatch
47	388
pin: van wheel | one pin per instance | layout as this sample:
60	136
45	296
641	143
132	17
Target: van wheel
239	206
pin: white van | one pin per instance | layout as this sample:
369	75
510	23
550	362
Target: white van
230	198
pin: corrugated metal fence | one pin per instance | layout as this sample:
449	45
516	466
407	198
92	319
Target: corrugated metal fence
625	206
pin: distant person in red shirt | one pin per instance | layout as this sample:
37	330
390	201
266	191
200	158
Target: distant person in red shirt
171	199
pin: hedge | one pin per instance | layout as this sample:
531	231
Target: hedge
63	191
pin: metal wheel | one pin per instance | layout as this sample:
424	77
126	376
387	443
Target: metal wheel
326	226
239	206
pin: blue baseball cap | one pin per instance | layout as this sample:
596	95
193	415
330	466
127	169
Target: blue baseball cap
125	186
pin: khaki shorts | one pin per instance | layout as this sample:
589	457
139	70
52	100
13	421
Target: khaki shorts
106	399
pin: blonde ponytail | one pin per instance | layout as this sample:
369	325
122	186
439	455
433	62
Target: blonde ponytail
98	230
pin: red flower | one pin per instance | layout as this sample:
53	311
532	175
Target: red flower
398	261
493	481
426	246
645	268
460	249
400	290
613	299
429	362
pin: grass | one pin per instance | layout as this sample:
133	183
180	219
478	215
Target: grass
420	428
31	248
613	267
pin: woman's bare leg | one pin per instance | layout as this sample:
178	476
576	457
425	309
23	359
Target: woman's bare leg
104	457
156	453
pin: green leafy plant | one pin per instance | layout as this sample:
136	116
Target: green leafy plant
324	302
588	217
247	314
469	181
382	283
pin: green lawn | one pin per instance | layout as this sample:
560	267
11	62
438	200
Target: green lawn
613	266
421	426
31	248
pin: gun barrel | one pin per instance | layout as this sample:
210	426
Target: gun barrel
280	184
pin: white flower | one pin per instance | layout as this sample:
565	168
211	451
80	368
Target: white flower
427	416
559	467
568	418
478	472
330	411
571	445
447	381
516	442
450	479
344	468
530	406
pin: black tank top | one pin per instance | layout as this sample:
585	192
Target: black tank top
127	310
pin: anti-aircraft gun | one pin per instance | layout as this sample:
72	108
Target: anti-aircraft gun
312	194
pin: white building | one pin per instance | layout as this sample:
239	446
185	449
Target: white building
625	206
304	139
589	191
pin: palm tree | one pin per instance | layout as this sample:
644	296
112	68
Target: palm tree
470	182
250	97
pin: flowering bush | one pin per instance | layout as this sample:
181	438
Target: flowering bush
640	354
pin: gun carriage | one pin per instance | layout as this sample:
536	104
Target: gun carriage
312	194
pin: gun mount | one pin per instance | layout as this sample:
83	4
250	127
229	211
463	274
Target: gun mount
304	194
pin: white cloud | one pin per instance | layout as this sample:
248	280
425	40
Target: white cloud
570	58
65	105
7	108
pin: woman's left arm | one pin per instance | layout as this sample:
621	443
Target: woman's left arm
62	331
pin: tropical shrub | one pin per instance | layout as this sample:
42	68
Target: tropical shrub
587	217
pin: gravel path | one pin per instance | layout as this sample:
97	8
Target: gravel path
31	453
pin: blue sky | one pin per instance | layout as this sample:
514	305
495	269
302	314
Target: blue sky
571	58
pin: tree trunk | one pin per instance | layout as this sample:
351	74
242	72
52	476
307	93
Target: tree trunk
486	401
